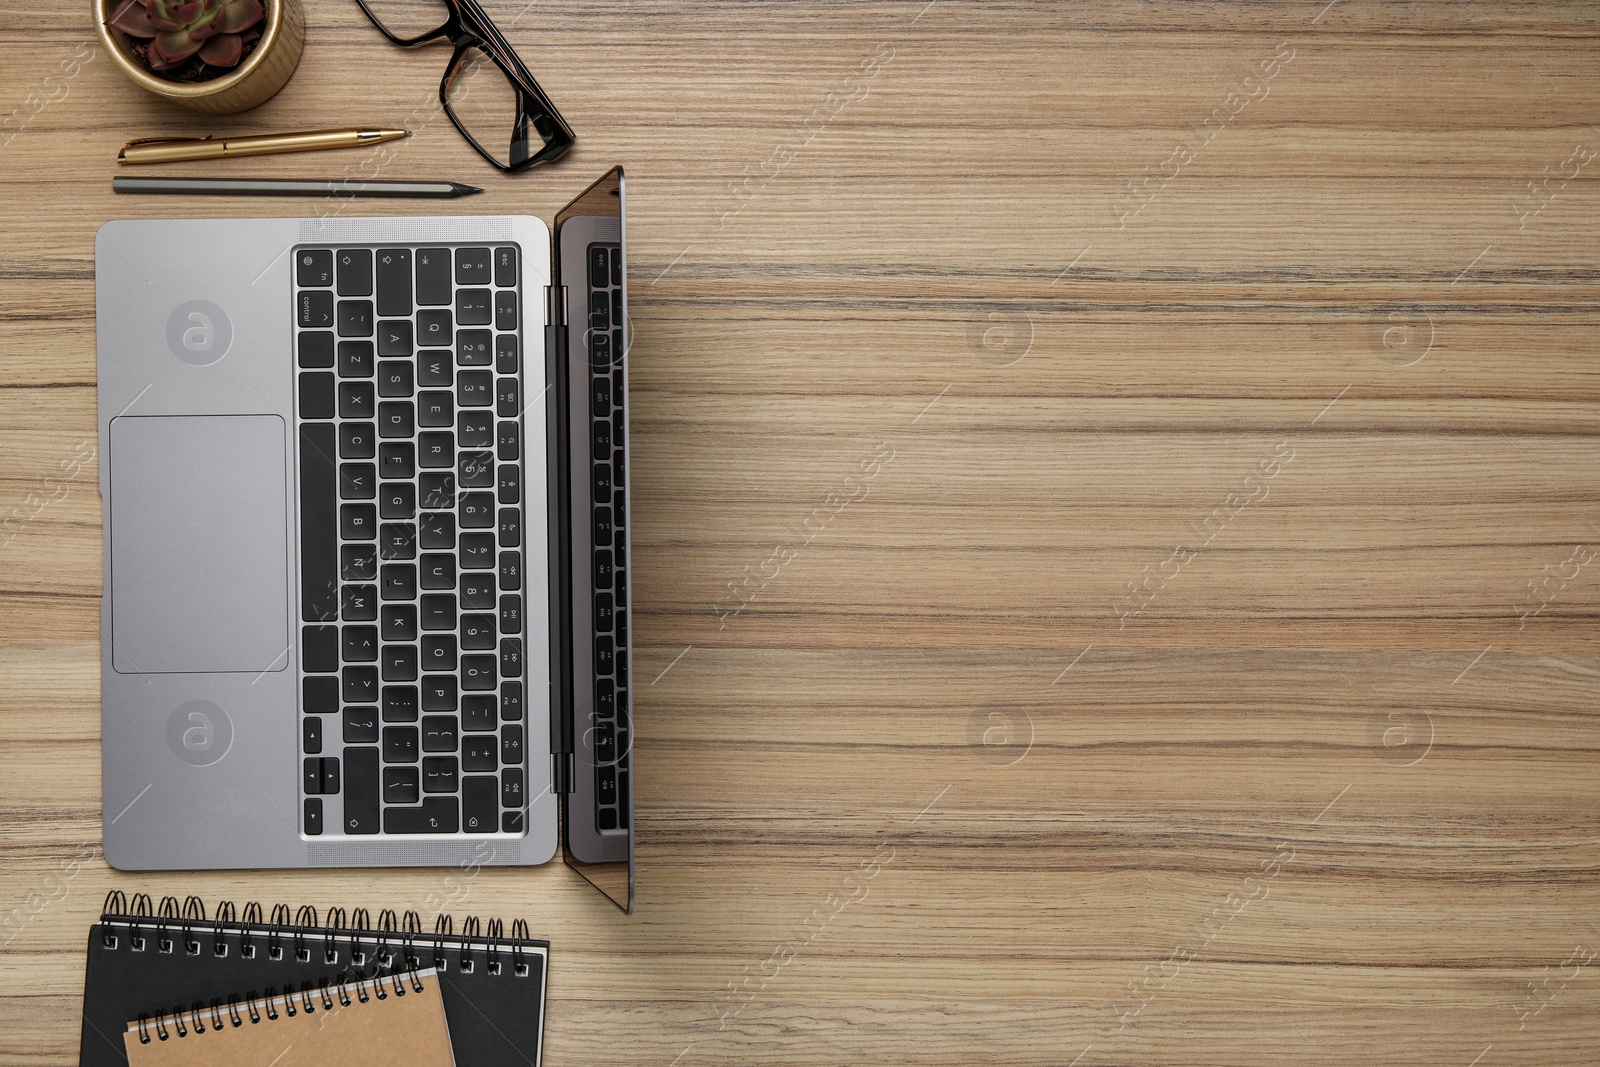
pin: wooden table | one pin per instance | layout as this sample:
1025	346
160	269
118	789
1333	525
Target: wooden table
1116	525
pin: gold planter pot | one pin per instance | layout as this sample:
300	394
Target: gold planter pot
262	73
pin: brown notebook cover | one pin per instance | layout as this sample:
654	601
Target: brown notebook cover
346	1023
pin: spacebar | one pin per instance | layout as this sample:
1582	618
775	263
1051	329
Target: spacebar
319	523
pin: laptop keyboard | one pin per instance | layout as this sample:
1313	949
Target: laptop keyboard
411	507
608	391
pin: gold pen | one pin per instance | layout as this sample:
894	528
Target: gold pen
174	149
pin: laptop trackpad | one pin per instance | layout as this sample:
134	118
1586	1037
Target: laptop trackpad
199	544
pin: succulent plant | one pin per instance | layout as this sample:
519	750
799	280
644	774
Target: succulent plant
181	29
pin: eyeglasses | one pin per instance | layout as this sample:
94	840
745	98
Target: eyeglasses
486	91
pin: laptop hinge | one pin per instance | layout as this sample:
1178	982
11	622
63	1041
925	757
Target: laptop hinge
562	729
561	773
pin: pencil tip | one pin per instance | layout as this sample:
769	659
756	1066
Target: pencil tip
464	190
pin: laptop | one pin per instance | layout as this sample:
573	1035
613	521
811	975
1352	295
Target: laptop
365	487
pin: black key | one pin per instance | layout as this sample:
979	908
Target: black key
359	603
398	581
319	649
394	337
435	370
599	266
313	266
398	459
394	378
473	347
329	770
315	310
472	307
438	490
394	281
311	776
511	787
505	353
316	350
397	501
438	733
479	754
605	698
438	570
616	267
316	395
355	272
472	266
401	785
511	614
437	815
361	790
477	631
439	692
602	527
605	785
511	657
605	742
477	592
474	388
601	438
399	663
438	611
355	318
510	571
313	816
358	481
397	540
505	398
508	483
604	655
359	644
508	445
622	660
600	397
511	701
319	579
477	673
605	819
602	483
505	310
433	276
510	528
401	744
602	568
320	696
439	774
356	440
434	328
357	522
477	551
399	624
437	529
478	712
355	359
480	805
477	510
396	418
511	822
361	726
599	352
475	429
360	685
436	449
476	469
356	400
505	266
438	652
616	314
602	612
435	407
311	734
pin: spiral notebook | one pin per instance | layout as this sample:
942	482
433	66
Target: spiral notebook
339	1024
171	959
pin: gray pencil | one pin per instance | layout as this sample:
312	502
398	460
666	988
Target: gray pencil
286	187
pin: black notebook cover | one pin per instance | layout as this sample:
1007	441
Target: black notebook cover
145	961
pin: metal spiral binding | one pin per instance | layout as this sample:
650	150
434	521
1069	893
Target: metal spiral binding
491	945
360	923
519	934
304	919
388	923
225	914
168	910
335	922
278	922
413	927
470	929
444	926
194	911
251	922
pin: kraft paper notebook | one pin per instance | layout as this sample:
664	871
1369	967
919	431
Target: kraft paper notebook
169	959
309	1028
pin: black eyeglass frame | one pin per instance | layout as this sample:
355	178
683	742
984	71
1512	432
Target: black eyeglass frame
468	26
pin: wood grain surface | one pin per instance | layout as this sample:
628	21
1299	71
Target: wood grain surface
1117	502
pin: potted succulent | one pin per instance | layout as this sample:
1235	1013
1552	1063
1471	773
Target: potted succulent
218	56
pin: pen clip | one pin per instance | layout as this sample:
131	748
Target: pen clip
166	140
